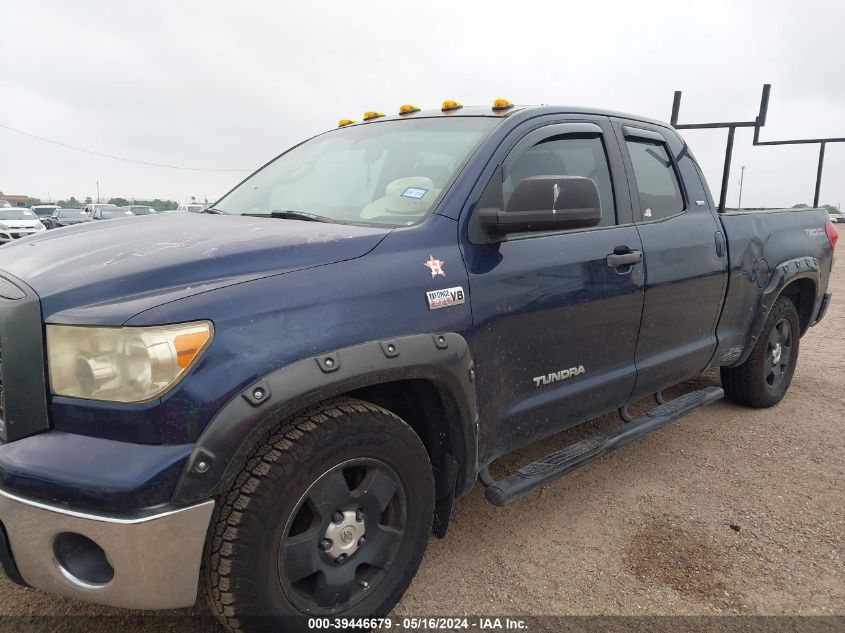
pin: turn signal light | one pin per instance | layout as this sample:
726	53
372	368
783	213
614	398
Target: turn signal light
372	114
450	105
188	346
408	109
502	104
832	233
345	122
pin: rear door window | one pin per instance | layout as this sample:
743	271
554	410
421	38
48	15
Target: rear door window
657	182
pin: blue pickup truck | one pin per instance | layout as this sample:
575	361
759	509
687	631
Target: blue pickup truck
276	402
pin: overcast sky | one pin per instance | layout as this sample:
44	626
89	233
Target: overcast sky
228	85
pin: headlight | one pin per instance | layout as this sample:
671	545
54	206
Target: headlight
40	226
122	364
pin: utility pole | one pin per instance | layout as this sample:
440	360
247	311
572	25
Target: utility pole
98	191
741	178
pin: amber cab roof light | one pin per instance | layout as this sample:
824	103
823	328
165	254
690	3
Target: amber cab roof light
501	104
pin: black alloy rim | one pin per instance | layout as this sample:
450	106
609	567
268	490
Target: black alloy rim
359	505
778	354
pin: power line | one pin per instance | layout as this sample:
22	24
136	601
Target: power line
112	156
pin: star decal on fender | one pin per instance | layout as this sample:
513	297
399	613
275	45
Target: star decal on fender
435	265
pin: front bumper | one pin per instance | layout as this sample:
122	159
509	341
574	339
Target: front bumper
142	562
7	235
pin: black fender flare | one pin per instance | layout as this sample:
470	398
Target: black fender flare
783	274
441	358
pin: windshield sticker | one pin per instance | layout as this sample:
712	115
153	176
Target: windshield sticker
414	193
647	213
435	266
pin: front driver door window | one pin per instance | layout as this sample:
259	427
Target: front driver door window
567	155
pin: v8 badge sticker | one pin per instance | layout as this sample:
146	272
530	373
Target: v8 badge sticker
445	298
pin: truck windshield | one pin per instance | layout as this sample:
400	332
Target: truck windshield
389	172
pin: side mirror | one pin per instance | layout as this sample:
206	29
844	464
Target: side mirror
546	203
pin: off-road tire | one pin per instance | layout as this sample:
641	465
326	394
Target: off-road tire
746	384
240	574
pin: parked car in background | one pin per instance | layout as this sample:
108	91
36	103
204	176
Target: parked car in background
111	212
5	205
44	211
140	209
15	223
93	206
191	208
67	217
838	218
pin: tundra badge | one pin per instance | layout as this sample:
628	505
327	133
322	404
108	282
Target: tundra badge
557	376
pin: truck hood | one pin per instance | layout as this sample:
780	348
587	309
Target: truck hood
106	272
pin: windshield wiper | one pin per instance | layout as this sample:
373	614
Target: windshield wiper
214	211
294	215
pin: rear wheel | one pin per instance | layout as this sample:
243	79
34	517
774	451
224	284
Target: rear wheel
330	518
763	379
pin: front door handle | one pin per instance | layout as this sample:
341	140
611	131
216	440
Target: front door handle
617	260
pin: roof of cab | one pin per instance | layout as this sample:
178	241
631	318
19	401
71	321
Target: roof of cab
530	110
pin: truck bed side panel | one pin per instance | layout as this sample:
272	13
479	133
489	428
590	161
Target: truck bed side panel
758	242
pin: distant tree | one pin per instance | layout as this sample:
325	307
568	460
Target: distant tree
70	203
121	202
828	207
158	205
88	200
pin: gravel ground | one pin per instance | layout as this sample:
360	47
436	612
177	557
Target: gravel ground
726	511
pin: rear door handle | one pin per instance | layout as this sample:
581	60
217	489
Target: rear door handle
720	244
617	260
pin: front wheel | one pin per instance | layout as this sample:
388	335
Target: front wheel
330	518
763	379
